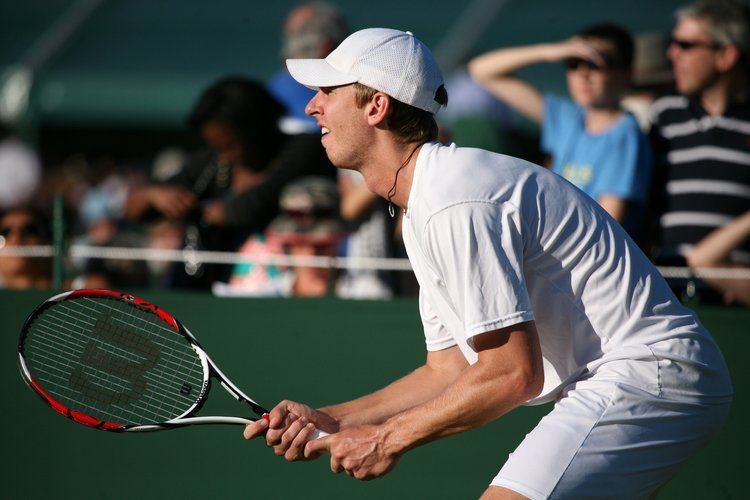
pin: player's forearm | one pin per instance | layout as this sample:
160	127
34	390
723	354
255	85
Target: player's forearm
419	386
480	395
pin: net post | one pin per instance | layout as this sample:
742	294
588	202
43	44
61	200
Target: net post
58	241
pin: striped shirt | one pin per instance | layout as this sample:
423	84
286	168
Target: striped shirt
703	171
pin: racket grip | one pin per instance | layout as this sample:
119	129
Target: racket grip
317	434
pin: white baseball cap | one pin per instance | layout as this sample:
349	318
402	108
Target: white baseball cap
388	60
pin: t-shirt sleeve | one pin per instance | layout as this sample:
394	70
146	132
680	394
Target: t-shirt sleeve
477	250
436	335
628	172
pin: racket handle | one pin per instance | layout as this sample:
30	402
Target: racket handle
317	434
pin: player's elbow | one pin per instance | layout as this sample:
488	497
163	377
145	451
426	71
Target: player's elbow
534	385
527	383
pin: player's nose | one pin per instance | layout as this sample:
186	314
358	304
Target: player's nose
313	106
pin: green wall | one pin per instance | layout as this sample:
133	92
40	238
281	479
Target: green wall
318	351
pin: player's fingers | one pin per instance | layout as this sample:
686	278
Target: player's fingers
296	450
288	437
273	435
336	466
255	429
277	416
317	446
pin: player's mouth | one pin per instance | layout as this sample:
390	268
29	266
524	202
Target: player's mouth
324	130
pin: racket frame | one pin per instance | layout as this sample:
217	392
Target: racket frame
210	370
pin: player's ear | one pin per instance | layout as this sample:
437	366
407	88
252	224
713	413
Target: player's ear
378	108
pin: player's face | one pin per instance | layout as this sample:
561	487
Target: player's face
342	124
693	56
591	86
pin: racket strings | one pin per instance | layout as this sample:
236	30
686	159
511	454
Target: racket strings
54	362
113	361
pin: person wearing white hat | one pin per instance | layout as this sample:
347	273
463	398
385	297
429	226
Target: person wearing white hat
529	292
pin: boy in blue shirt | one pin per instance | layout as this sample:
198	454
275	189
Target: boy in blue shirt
594	143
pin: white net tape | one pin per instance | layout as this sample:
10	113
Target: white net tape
206	257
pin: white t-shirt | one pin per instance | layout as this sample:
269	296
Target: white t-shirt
496	241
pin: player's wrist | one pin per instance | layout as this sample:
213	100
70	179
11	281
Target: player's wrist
396	438
329	420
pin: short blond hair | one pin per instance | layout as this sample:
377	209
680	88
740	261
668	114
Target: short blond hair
410	124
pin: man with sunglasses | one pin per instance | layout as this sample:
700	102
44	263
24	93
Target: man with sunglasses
701	140
593	142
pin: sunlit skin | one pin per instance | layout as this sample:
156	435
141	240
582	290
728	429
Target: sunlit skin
343	125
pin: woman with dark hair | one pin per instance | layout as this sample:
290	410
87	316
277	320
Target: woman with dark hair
231	188
238	177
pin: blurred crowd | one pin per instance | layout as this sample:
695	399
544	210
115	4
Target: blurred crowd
655	128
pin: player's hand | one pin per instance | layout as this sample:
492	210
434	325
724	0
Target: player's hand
361	452
289	427
172	201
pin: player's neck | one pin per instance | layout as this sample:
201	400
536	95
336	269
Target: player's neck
380	172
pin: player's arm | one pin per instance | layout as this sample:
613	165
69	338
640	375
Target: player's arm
424	383
494	69
291	424
508	373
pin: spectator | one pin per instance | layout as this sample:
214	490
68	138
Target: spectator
309	226
231	188
702	138
311	30
23	226
20	170
652	77
594	143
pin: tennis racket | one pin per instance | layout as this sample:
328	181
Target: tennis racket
112	361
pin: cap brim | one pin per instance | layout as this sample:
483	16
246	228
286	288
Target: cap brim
316	73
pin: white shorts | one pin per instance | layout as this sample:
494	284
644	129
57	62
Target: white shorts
607	439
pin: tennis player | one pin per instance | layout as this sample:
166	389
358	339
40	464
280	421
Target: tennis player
529	292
